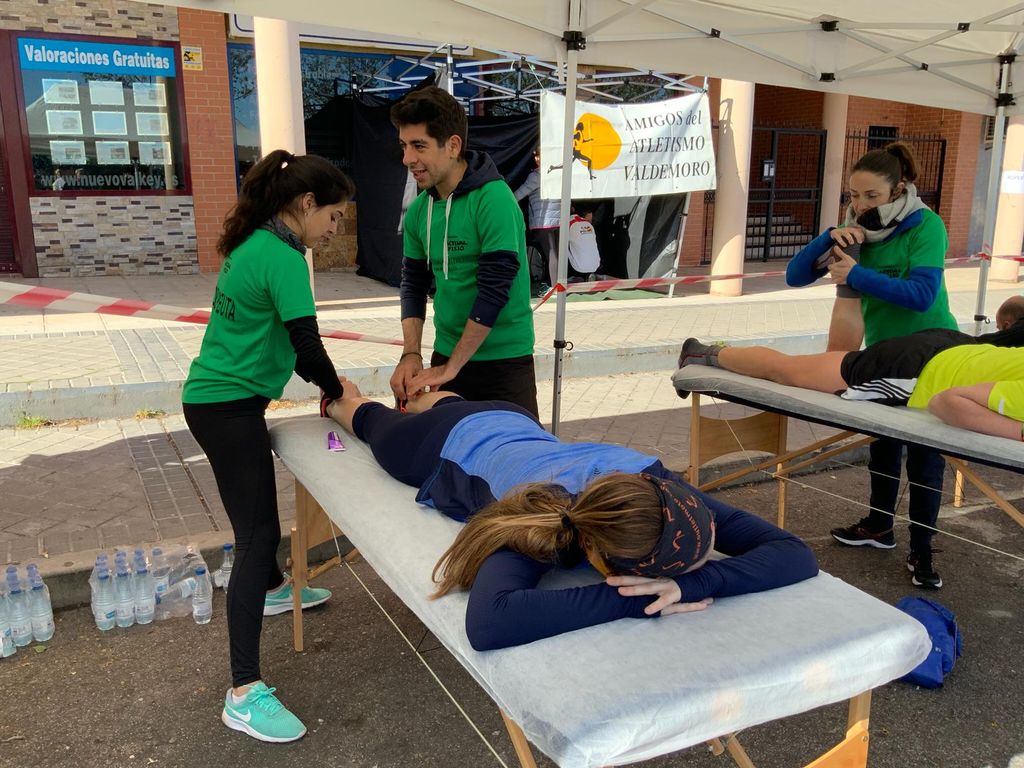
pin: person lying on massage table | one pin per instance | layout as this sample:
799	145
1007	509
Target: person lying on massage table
533	502
976	386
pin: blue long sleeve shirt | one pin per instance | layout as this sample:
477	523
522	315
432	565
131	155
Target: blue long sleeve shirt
917	291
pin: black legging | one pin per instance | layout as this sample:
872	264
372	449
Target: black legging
234	436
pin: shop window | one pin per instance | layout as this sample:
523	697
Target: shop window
102	116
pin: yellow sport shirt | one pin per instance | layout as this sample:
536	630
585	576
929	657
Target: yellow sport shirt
976	364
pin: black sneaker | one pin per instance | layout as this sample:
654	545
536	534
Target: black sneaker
925	576
860	535
693	352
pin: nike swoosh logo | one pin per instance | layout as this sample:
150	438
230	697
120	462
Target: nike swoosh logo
244	718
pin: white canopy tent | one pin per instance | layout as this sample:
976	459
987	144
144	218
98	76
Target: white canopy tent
938	53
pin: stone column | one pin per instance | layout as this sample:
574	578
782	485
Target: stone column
735	123
279	92
833	120
1010	214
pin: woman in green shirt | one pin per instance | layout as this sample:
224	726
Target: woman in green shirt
262	327
897	287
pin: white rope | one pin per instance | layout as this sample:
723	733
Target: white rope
895	516
415	650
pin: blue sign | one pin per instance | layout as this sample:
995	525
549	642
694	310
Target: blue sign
106	58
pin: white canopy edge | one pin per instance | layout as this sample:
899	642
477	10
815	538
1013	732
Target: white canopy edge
937	53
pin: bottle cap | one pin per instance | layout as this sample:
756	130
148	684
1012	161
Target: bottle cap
200	571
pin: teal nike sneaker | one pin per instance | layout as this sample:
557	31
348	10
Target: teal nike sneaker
262	716
280	600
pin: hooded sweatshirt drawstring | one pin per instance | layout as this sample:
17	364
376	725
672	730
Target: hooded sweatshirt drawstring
447	211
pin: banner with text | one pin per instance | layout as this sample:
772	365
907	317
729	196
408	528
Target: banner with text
628	150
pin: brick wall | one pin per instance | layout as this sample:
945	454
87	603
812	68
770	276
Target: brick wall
83	236
211	143
113	18
777	107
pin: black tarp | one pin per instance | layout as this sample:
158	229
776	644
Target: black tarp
357	135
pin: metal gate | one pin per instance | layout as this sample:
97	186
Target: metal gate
929	153
787	166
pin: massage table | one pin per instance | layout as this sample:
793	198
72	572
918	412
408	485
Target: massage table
766	432
627	690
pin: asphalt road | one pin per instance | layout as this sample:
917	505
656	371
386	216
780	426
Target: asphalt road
152	695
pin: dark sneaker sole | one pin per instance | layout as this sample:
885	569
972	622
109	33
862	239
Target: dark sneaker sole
863	542
926	584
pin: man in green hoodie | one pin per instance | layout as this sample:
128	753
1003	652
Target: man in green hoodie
466	231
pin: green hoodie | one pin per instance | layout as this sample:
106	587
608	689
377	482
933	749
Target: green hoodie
482	273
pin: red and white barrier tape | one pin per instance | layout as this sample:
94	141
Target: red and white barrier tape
39	297
654	282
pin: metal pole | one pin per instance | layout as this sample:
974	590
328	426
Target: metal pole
679	244
573	42
450	74
992	197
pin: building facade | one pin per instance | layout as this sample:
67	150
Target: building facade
119	153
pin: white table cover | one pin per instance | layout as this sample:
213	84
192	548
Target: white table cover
632	689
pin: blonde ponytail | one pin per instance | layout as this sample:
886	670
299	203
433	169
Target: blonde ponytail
618	514
528	521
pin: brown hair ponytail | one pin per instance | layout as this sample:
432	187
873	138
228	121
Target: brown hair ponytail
528	521
273	184
618	514
894	162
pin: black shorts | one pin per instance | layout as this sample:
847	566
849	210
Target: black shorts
887	372
512	379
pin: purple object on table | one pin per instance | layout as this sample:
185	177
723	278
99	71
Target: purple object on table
334	442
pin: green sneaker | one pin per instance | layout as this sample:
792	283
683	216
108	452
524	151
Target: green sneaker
280	600
262	716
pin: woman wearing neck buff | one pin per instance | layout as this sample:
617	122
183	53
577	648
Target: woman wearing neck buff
533	503
894	288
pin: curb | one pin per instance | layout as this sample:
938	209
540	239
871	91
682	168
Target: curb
116	401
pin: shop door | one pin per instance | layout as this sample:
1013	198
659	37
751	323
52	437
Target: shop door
7	263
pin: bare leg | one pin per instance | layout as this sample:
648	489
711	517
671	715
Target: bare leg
427	400
819	372
846	330
343	409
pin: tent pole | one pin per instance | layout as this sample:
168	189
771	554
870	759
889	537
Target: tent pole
992	197
574	41
679	245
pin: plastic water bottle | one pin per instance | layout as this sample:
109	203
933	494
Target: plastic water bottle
104	608
145	594
223	575
202	598
7	646
39	607
17	605
160	570
124	595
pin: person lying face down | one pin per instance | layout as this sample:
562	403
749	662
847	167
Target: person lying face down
976	383
532	503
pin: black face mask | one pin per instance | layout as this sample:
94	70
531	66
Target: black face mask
870	220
